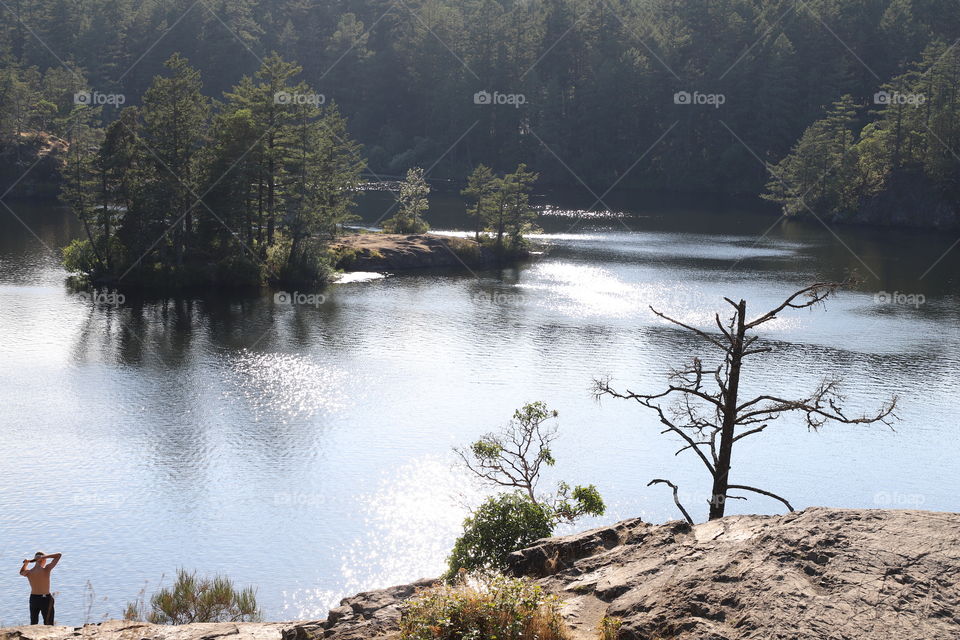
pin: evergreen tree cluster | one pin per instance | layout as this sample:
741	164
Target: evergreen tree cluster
597	78
500	206
882	161
183	190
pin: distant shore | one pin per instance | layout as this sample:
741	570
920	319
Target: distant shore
390	251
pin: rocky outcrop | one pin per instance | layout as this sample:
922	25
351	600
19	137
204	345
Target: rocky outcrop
372	614
818	574
392	252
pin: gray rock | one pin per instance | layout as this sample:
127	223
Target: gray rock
818	574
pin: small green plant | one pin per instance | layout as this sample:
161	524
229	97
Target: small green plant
192	599
514	459
495	609
610	628
503	524
79	256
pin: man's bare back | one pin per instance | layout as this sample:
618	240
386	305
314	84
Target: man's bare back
39	578
41	600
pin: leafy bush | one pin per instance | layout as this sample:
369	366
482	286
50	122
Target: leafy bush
79	257
514	458
193	599
405	224
498	609
310	267
503	524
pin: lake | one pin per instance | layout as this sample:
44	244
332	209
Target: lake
307	449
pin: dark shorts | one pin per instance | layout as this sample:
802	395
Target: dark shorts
41	605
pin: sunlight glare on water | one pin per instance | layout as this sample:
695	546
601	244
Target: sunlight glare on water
288	385
409	522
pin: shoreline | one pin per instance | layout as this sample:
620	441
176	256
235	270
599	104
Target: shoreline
398	252
739	577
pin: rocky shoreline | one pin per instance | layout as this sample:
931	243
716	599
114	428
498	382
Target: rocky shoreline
393	252
817	574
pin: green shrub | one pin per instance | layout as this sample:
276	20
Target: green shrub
514	458
78	257
193	599
310	267
405	224
497	609
466	250
503	524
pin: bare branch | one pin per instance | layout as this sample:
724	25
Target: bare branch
702	334
822	406
676	498
743	487
602	388
750	432
815	293
720	326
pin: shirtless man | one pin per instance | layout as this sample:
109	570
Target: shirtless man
41	601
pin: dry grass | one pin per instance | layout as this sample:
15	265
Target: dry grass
610	628
494	609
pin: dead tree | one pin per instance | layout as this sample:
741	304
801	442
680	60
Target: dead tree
710	421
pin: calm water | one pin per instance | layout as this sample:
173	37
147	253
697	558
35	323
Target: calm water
306	450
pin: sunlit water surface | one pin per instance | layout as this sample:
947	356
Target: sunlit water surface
307	449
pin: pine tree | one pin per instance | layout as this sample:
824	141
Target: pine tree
412	201
175	116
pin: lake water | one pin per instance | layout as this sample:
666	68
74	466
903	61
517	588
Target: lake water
307	449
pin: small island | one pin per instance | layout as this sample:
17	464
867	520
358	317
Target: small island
184	192
393	251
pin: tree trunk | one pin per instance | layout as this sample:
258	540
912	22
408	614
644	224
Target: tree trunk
721	476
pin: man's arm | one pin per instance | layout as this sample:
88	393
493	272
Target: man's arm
55	557
23	569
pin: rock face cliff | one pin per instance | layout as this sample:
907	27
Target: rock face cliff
818	574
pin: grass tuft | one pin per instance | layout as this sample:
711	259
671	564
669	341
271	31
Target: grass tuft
496	608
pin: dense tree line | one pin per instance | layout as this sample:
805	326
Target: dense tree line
597	78
182	189
892	162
